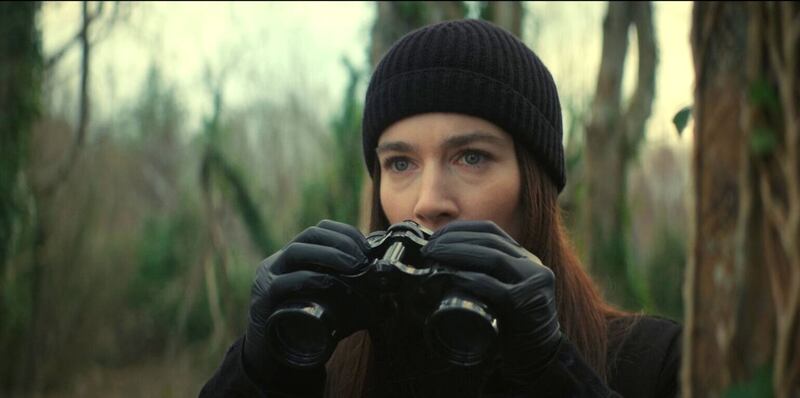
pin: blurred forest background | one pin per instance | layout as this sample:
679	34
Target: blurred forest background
149	160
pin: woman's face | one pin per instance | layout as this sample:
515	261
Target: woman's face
440	167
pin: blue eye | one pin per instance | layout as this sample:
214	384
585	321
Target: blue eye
472	158
397	164
400	164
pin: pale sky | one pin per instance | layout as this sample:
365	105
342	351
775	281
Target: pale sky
269	49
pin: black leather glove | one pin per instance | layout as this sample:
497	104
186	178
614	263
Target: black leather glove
304	269
518	289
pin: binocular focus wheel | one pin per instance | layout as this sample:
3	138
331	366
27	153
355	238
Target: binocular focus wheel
299	335
462	331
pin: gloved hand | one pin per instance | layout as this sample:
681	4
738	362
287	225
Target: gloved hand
306	269
518	289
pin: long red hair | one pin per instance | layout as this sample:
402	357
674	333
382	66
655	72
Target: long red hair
583	313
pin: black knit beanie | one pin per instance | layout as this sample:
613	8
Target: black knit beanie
471	67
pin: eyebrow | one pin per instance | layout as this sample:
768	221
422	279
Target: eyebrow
451	142
394	146
469	138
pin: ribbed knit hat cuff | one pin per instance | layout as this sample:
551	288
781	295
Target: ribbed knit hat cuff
453	90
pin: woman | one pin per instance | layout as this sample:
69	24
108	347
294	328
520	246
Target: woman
462	134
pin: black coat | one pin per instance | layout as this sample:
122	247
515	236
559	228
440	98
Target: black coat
643	357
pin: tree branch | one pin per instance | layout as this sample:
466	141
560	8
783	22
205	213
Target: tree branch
78	37
83	114
606	104
641	103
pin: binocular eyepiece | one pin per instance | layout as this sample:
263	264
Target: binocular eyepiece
303	333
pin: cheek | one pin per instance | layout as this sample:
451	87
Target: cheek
393	205
503	209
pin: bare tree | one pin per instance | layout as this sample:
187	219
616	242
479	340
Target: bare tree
43	193
221	179
40	346
743	281
613	135
63	170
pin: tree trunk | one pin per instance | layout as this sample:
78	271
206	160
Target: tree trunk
20	62
396	18
507	14
20	85
612	137
743	280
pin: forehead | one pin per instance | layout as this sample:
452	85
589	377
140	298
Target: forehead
435	128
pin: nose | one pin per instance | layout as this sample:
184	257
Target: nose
436	204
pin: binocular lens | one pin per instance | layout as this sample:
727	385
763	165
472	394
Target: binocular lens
299	336
462	331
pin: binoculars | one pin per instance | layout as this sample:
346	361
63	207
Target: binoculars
396	282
